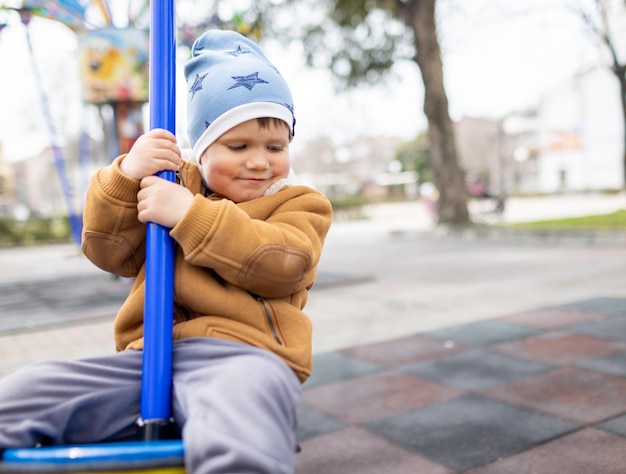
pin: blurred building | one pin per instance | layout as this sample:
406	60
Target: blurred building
581	134
571	142
363	167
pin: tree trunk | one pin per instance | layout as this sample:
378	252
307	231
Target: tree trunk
419	15
620	72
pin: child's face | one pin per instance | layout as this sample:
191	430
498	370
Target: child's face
247	159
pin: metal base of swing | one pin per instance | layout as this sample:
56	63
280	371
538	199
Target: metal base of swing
153	457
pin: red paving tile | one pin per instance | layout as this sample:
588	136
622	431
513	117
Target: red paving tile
552	318
560	348
404	351
372	397
586	451
356	451
575	394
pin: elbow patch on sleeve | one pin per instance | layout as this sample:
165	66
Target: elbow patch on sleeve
99	247
274	270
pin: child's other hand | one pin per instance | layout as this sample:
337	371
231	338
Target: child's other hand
162	202
152	152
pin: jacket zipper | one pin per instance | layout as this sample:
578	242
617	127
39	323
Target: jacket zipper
268	314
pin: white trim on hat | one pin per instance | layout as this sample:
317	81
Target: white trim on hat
237	115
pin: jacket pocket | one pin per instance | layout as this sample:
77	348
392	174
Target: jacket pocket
268	314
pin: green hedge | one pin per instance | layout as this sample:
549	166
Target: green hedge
34	231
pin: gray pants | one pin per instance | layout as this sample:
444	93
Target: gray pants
235	404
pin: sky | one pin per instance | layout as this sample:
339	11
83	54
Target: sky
495	62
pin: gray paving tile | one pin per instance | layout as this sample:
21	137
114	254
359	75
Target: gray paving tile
552	317
483	333
614	364
606	305
616	425
612	328
26	320
13	296
469	431
67	288
333	367
475	369
312	423
42	304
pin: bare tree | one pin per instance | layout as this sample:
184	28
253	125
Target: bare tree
598	23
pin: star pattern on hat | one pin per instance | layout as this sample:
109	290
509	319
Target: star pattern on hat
197	85
248	81
238	52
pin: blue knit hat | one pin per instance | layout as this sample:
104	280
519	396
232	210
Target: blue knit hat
230	81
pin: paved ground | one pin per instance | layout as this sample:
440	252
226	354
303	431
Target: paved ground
539	391
433	353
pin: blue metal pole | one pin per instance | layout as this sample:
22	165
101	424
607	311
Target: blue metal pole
159	286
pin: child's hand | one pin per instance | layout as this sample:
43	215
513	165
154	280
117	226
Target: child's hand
162	202
152	152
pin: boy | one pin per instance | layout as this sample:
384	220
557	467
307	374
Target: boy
247	245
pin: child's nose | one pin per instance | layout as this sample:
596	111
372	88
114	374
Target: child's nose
257	160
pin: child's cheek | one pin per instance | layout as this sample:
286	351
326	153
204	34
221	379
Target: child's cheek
284	168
